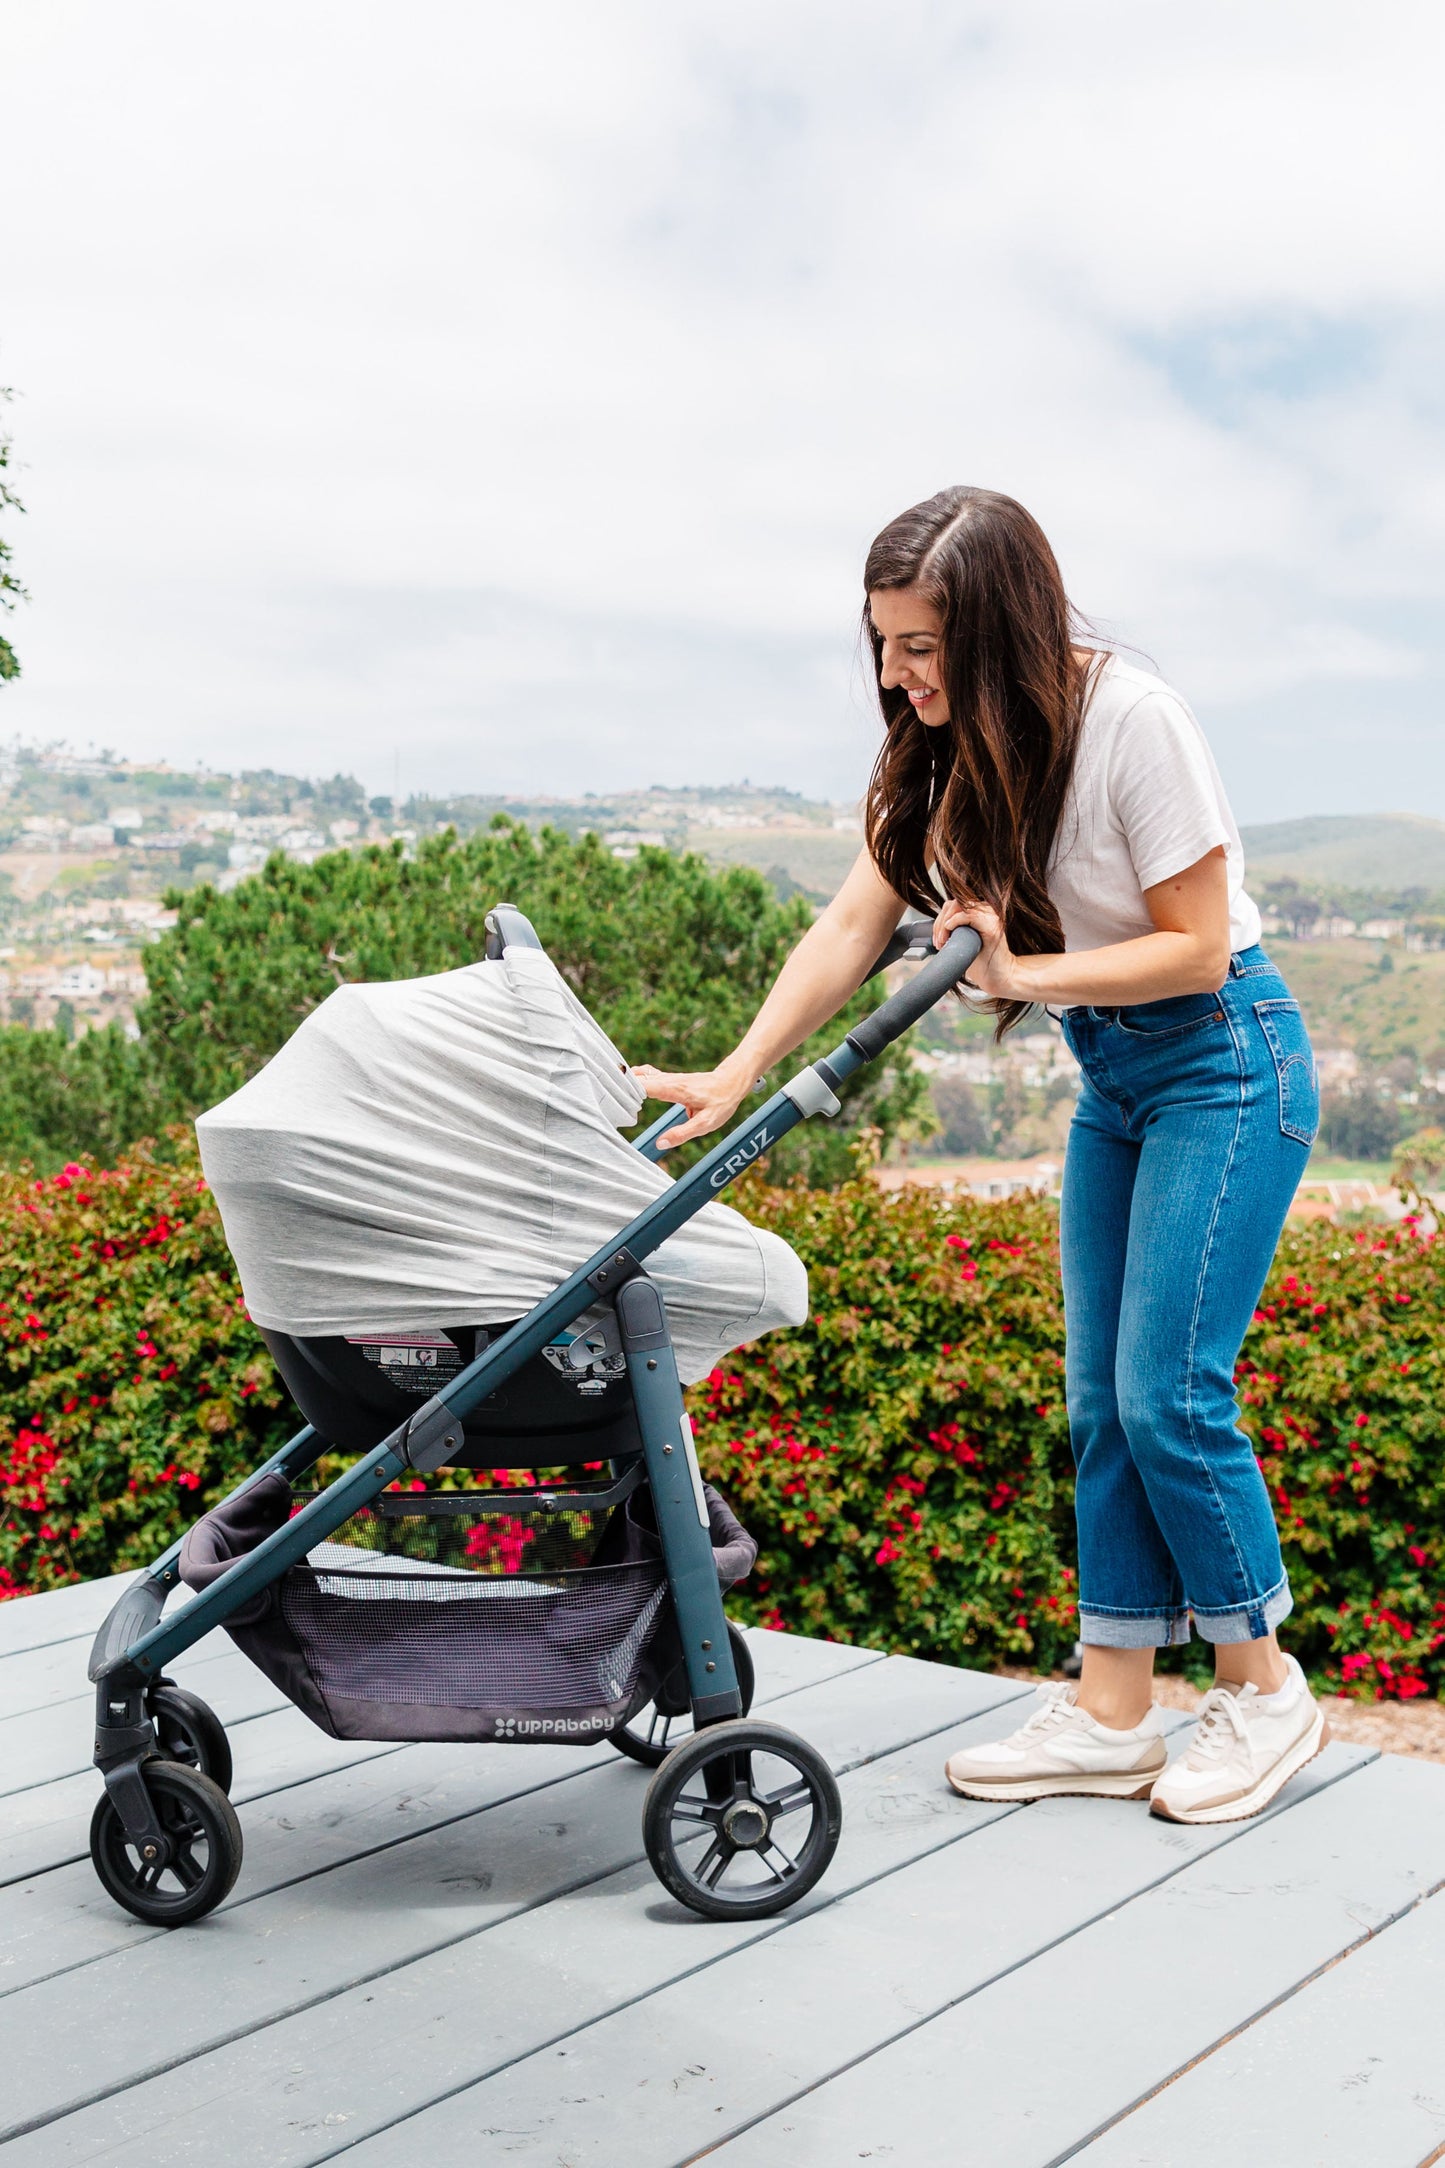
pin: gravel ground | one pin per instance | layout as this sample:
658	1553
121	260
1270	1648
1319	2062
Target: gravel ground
1395	1727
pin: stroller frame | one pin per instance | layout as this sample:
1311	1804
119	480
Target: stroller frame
135	1643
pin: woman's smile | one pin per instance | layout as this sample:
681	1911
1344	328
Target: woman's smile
908	632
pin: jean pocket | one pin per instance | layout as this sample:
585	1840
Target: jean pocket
1182	1012
1294	1064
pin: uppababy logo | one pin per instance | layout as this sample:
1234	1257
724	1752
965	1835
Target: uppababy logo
539	1727
742	1157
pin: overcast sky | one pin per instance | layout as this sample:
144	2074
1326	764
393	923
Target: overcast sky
510	393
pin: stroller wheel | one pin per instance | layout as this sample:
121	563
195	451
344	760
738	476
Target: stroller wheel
741	1820
205	1848
190	1732
650	1733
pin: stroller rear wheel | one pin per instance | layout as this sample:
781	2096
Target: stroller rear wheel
189	1731
741	1820
203	1838
650	1733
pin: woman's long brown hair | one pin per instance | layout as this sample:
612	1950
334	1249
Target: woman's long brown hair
983	794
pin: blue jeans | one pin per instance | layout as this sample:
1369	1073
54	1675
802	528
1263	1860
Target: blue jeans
1192	1130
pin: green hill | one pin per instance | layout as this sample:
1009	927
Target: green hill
1356	993
1385	851
813	860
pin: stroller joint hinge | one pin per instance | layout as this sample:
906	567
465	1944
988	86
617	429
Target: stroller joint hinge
432	1437
642	1317
811	1092
620	1267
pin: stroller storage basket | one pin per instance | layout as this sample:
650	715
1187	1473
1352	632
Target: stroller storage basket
420	1654
446	1625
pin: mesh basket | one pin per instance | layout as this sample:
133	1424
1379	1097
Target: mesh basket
527	1626
504	1615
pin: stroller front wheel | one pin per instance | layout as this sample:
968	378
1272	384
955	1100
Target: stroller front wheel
650	1733
189	1731
741	1820
203	1840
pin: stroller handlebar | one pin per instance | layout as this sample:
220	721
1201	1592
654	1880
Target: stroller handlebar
942	972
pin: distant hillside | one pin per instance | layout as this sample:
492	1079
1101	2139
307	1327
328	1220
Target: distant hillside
1374	998
813	862
803	845
1386	851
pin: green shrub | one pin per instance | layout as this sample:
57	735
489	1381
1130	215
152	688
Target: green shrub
903	1459
63	1099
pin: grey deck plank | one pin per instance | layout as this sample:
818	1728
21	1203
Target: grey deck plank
60	1614
52	1922
290	2093
669	2079
44	1744
285	1952
56	1670
1347	2073
47	1826
1123	2005
55	1922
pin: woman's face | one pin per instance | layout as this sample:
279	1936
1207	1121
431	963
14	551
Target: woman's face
911	631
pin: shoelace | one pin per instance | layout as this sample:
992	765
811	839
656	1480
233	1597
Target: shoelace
1056	1705
1221	1723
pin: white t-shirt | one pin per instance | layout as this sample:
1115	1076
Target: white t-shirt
1145	801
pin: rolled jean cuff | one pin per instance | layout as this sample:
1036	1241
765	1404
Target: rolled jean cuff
1247	1622
1132	1629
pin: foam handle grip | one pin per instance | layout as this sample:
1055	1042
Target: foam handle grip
924	989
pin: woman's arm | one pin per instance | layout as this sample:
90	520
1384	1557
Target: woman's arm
828	964
1188	953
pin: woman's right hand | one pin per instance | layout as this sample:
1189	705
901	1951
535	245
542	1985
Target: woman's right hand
711	1099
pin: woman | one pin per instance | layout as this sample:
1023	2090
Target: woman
1065	804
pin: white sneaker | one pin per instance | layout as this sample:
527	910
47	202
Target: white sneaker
1062	1749
1246	1747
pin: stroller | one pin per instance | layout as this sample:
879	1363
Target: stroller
526	1613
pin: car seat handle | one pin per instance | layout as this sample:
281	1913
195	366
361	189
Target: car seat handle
508	928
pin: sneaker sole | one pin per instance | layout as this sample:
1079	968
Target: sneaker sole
1249	1803
1123	1784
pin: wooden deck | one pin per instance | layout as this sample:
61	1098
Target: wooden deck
447	1955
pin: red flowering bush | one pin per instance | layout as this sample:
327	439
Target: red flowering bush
903	1459
1343	1388
134	1390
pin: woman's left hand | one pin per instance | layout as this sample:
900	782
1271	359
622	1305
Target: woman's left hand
995	970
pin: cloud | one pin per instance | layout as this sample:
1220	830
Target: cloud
522	387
